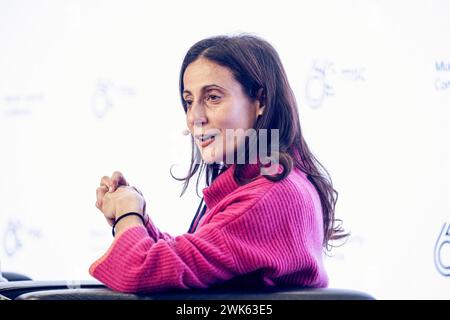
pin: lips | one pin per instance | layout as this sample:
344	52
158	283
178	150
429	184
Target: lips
207	142
205	139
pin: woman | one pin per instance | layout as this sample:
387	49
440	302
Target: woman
257	227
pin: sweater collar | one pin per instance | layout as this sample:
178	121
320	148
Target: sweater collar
224	183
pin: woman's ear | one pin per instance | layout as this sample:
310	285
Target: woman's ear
260	102
260	111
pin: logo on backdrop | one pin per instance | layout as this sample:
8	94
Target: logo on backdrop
323	77
21	104
17	235
442	81
442	251
107	94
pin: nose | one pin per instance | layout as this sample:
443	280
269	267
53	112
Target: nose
196	116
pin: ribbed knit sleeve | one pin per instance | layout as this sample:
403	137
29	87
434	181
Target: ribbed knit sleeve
136	263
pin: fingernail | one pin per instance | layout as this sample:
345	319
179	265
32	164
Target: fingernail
110	189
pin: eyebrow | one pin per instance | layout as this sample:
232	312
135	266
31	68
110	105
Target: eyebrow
207	87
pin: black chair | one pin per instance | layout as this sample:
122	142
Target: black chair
92	290
11	290
12	276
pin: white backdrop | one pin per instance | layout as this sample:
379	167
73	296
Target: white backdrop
89	87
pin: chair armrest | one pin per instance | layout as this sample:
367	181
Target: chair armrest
14	289
99	293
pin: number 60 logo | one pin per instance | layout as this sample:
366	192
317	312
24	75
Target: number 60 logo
444	239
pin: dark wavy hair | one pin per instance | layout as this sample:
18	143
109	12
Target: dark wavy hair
255	64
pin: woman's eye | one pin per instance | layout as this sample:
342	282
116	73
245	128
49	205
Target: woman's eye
212	98
188	103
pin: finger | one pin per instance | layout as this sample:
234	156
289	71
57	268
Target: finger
105	181
117	179
101	191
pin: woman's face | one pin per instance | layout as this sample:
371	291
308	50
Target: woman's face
216	107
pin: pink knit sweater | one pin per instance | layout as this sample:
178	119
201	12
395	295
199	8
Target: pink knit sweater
264	232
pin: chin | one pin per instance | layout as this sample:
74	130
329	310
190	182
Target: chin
212	156
211	160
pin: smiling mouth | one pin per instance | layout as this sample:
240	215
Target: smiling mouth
205	137
207	134
205	140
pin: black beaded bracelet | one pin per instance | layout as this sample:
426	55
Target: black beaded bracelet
126	215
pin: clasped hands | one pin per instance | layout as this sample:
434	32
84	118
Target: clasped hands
115	197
